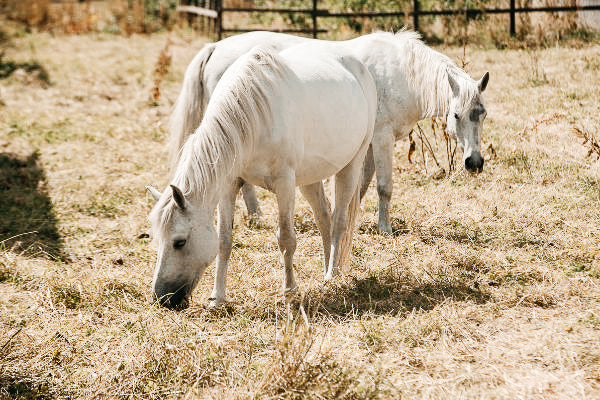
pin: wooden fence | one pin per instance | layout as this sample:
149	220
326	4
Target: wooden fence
216	11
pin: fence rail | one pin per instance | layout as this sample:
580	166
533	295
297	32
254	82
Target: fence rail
415	13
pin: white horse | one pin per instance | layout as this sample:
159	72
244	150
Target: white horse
413	82
277	121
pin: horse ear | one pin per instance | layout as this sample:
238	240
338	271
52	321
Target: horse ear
155	193
453	85
483	81
178	197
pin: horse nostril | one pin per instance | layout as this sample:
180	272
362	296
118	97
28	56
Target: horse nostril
474	163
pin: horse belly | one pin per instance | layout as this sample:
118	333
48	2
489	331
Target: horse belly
314	145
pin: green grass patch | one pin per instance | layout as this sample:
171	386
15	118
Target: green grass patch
38	134
109	206
519	160
7	67
67	295
590	187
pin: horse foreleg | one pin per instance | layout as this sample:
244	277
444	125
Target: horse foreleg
315	195
285	190
368	171
251	201
225	228
383	155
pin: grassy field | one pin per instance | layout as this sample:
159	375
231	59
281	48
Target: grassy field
489	287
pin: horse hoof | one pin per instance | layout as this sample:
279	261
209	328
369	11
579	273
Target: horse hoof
290	291
217	303
291	294
254	220
385	230
329	276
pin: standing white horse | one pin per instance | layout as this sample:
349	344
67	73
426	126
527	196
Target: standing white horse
413	82
274	120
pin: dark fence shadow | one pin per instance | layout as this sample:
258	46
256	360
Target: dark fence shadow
27	219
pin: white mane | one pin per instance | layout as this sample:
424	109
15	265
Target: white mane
235	113
427	72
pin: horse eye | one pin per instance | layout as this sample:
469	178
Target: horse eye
456	116
179	243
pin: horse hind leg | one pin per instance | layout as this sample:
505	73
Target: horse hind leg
315	195
285	190
251	201
383	155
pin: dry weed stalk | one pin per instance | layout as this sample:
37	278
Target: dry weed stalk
464	62
438	130
295	342
537	73
161	69
135	22
543	120
589	140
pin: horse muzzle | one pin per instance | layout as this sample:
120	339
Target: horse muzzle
173	296
474	163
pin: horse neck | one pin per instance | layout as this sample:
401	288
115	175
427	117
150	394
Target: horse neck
210	158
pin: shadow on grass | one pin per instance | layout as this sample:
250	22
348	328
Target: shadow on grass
390	293
380	293
7	67
27	219
18	387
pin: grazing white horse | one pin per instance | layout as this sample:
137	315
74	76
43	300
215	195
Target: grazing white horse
413	82
277	121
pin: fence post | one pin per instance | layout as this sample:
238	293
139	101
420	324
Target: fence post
416	15
219	21
512	18
314	19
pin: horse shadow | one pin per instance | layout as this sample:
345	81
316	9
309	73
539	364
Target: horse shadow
389	292
385	292
27	220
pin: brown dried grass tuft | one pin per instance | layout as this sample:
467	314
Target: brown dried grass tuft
435	143
161	69
590	140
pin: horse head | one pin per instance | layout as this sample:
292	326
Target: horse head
187	244
465	118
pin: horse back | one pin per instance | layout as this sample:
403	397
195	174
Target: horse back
327	109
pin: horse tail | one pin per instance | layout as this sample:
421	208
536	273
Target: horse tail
188	110
353	212
367	83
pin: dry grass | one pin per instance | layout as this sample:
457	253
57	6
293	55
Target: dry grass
74	16
487	289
